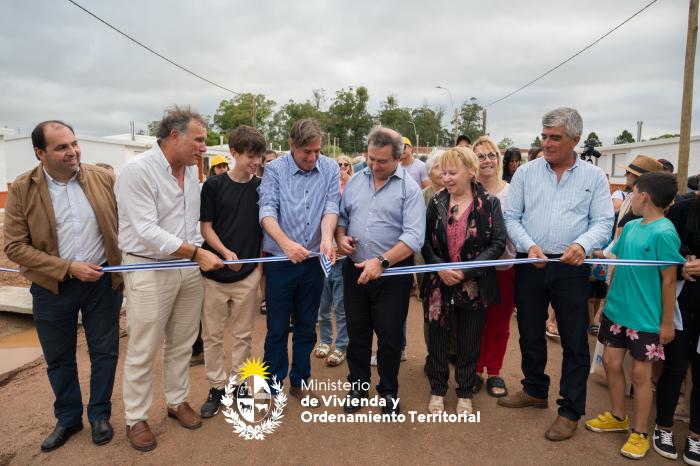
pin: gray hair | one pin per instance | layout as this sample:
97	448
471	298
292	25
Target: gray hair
381	137
432	160
566	117
305	131
178	118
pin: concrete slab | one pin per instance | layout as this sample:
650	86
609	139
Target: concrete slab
15	299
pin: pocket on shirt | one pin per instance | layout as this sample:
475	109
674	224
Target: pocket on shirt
581	203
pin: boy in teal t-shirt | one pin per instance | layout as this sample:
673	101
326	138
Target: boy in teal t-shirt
638	316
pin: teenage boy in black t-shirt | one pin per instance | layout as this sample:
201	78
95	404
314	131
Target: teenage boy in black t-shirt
230	227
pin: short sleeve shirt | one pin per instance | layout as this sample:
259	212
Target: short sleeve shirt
233	210
417	171
634	300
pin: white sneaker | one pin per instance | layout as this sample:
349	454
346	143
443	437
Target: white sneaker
403	355
373	360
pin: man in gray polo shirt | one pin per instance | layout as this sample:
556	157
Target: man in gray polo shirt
382	224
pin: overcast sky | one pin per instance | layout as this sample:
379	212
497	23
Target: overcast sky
58	62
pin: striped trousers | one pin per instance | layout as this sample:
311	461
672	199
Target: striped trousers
470	325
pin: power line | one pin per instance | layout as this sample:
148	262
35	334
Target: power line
153	51
571	57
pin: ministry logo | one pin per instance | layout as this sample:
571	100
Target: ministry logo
250	405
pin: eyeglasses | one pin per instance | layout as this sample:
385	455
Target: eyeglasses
491	156
343	164
453	212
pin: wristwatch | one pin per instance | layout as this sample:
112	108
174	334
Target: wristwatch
383	262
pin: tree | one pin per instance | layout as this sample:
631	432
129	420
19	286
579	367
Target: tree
153	127
285	117
594	137
536	143
348	119
238	111
505	143
470	119
666	136
624	138
397	118
429	126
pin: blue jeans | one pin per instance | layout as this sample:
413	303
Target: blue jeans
333	297
292	290
56	320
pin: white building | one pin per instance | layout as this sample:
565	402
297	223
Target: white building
614	158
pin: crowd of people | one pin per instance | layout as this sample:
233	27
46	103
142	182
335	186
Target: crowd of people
65	220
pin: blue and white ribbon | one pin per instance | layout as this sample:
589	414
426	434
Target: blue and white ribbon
326	264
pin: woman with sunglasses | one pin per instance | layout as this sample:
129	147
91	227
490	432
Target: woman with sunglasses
332	297
494	339
463	223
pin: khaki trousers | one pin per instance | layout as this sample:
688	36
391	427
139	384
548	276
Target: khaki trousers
221	300
162	305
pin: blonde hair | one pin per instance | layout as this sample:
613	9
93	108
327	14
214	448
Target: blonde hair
492	147
345	158
460	155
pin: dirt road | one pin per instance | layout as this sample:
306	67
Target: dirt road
503	436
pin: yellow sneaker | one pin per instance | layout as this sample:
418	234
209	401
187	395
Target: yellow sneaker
606	422
636	446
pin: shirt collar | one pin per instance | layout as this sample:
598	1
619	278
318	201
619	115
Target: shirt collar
50	180
577	160
293	168
161	160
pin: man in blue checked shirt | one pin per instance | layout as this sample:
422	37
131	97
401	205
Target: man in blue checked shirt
299	200
559	206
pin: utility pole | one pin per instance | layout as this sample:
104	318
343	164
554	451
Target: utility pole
483	123
255	122
687	105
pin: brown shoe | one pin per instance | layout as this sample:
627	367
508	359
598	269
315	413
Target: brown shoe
185	416
523	400
300	393
141	437
561	429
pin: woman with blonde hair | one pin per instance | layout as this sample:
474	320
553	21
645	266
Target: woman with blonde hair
494	339
346	170
463	223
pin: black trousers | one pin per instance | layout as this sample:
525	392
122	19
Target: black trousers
469	323
56	320
378	307
678	354
566	287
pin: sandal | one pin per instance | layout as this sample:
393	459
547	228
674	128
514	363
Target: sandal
464	406
436	404
335	358
493	384
551	329
479	384
322	350
593	329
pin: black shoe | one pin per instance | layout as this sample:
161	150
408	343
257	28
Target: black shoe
664	444
210	408
691	455
59	436
389	400
353	400
101	431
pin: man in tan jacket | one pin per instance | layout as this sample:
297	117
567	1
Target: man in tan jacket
61	228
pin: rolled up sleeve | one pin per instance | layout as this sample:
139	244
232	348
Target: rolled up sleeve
413	221
269	193
601	217
137	205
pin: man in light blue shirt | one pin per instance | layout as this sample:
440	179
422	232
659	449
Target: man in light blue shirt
559	206
299	198
382	224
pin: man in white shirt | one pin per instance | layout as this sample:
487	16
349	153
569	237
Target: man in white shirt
158	202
